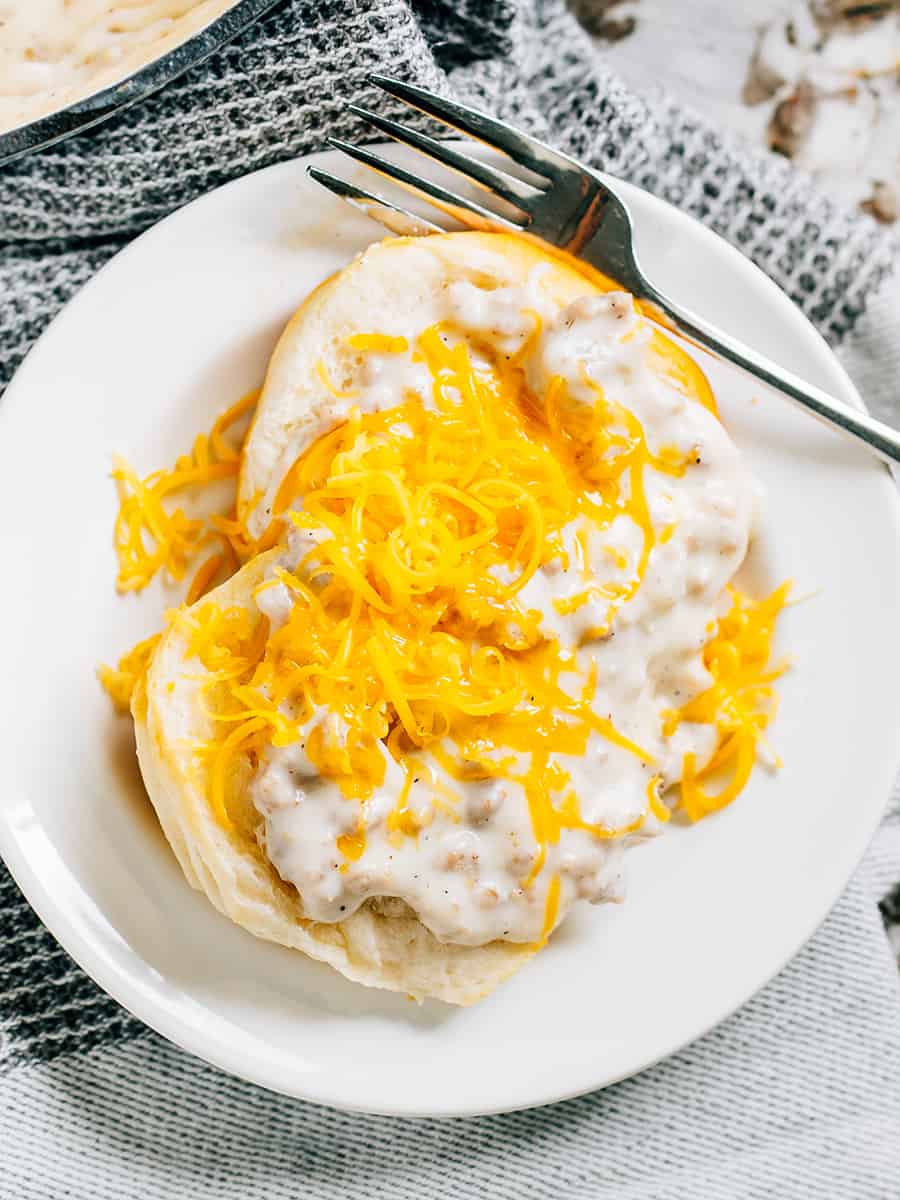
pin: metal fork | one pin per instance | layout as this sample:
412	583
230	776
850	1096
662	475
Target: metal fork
570	207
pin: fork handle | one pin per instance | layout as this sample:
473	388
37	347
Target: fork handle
876	436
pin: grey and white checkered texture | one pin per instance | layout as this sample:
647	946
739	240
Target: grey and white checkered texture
796	1095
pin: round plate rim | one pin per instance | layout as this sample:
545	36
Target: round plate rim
153	1012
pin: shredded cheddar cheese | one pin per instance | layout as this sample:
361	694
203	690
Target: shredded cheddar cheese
322	374
120	681
408	632
551	909
739	704
377	343
151	535
428	523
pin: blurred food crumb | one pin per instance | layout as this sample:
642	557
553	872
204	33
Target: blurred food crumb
883	204
609	20
830	69
815	80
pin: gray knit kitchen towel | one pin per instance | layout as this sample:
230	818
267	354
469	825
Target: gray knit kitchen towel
796	1095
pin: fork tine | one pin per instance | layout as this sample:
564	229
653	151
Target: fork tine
513	190
526	151
396	219
461	208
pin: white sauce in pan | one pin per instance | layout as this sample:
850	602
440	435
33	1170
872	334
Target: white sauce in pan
55	52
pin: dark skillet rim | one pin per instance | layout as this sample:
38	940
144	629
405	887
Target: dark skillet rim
100	106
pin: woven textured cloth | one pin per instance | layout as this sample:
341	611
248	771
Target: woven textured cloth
796	1095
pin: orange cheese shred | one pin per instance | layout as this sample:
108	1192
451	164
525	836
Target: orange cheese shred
740	702
152	536
377	343
121	680
551	910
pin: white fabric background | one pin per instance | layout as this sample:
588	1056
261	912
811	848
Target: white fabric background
798	1094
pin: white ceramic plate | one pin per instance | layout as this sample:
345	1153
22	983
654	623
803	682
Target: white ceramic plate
172	330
